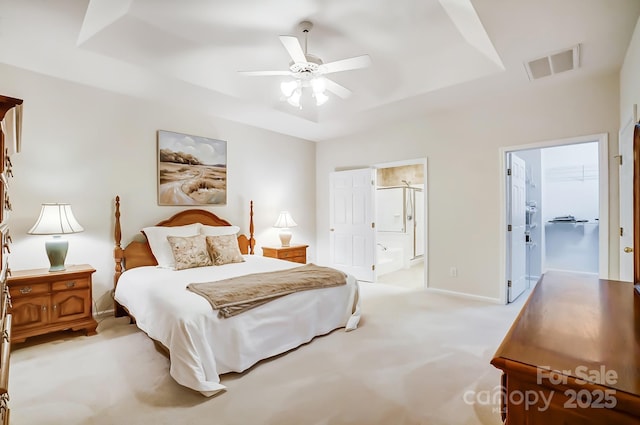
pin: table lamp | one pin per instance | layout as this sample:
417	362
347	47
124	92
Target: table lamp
56	220
284	222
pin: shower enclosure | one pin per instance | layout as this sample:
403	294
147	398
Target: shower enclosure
399	221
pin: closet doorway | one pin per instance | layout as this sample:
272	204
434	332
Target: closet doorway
401	223
554	211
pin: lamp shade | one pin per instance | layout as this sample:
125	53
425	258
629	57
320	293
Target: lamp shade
285	221
55	219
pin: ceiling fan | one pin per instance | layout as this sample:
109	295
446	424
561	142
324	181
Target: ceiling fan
308	70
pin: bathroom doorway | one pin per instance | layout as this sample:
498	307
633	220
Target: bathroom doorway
401	223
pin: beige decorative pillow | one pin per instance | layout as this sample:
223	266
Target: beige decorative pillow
224	249
189	251
157	237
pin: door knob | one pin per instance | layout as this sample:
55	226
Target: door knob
628	249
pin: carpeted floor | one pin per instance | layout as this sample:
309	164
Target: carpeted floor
411	278
417	358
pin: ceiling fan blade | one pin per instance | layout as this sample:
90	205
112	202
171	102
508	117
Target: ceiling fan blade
292	44
337	89
263	73
346	64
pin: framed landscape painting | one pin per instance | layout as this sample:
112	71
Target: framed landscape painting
192	170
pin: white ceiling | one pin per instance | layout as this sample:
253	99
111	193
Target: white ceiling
426	54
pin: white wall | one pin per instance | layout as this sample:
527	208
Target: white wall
462	147
85	146
570	181
630	77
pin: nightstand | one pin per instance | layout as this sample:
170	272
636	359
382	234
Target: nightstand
295	253
44	301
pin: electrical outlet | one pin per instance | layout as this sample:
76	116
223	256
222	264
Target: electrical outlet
453	272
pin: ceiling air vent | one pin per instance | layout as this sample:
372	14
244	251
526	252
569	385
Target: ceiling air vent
565	60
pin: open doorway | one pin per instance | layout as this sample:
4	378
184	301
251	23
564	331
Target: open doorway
401	223
561	200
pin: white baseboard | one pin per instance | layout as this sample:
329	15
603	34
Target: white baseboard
98	315
464	295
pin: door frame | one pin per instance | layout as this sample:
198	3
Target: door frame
423	162
603	183
631	126
636	204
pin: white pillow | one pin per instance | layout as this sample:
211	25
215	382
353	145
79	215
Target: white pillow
160	246
218	230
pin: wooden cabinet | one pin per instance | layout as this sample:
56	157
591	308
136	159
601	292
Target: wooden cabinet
44	301
295	253
572	356
10	131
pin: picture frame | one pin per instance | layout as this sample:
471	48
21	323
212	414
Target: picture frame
192	170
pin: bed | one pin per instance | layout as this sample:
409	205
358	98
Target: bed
201	344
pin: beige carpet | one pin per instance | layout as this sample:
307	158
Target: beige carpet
412	360
411	278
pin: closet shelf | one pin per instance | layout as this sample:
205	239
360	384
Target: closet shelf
572	222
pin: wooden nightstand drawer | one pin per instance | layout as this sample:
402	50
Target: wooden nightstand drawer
30	289
285	255
298	259
295	253
70	284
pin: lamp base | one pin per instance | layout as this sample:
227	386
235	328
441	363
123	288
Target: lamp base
285	237
57	252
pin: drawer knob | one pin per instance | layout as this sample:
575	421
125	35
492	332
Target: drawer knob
71	284
26	290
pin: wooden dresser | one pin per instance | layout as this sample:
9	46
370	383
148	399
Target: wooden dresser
295	253
572	356
45	301
11	116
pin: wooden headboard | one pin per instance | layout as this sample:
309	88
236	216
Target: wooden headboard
138	253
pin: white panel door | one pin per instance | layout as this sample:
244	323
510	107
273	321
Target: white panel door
625	150
352	235
516	217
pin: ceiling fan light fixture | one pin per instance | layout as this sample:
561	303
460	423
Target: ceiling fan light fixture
318	85
288	87
294	99
321	98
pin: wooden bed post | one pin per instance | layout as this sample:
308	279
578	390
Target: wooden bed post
252	241
118	254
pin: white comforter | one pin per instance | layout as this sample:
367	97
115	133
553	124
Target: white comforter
202	345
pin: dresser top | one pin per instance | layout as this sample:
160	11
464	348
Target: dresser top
581	325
